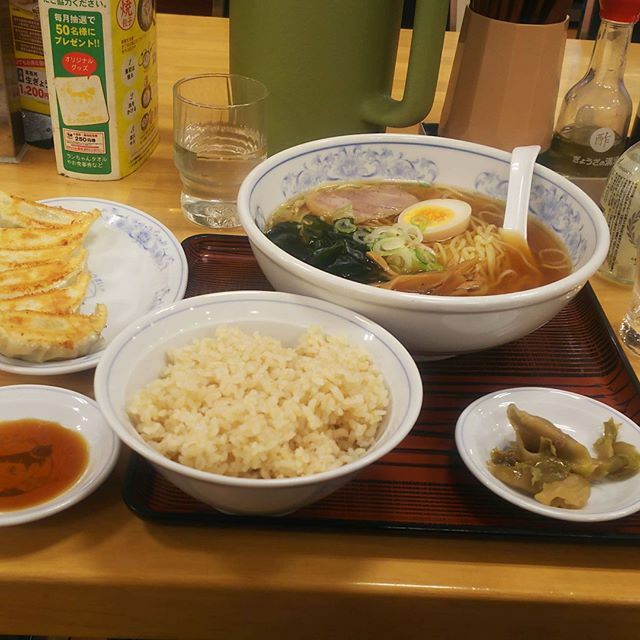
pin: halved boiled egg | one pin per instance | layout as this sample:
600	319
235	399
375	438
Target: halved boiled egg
438	219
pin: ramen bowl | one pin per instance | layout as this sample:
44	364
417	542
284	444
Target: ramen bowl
430	326
139	353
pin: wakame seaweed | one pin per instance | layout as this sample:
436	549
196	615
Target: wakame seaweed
319	244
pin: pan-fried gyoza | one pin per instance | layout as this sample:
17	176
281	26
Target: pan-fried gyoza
43	282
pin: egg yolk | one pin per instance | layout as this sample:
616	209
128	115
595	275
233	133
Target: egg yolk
430	217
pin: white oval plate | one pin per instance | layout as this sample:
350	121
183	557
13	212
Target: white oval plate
484	425
73	411
136	264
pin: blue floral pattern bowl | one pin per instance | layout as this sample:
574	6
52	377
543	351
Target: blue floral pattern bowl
431	325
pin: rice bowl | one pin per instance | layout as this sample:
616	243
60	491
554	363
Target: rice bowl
138	355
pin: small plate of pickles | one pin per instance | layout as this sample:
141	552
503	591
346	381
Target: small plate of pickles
553	452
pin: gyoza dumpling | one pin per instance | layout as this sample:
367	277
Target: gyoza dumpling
31	257
40	337
66	300
18	212
28	280
22	239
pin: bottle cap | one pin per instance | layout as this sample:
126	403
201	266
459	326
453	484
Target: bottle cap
620	10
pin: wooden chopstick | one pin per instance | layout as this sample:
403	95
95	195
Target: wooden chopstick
523	11
559	11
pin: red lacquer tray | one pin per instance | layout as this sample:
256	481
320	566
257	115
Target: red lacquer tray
423	486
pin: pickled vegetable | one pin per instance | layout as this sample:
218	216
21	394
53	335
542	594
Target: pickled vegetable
531	429
571	492
554	468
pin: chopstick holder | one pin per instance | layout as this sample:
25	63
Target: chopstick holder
504	82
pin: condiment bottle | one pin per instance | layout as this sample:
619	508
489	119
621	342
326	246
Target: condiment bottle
634	135
590	133
621	207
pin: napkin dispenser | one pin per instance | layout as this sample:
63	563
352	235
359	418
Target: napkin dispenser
12	144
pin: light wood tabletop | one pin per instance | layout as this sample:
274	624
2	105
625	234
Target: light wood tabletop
99	570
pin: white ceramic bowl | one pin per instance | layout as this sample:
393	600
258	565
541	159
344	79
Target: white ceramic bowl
433	326
137	355
484	426
73	411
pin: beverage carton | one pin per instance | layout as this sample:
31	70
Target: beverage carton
11	130
32	76
102	76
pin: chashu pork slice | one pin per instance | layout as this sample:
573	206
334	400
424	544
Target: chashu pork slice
40	337
37	278
66	300
362	203
19	212
23	239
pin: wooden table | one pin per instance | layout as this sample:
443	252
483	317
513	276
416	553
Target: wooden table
98	570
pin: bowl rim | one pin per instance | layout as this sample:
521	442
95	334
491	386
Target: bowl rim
568	285
135	442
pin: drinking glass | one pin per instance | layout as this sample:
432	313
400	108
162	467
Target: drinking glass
219	136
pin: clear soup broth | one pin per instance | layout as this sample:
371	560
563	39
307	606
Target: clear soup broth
416	238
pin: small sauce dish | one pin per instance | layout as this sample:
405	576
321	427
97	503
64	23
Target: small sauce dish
29	466
484	426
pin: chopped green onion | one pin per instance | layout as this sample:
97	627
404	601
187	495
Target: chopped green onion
400	244
427	259
361	235
345	225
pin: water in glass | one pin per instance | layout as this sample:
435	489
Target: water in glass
213	162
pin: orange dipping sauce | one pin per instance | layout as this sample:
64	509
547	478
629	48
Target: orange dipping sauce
39	460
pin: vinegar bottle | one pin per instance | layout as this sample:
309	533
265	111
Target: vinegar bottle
591	130
634	135
621	208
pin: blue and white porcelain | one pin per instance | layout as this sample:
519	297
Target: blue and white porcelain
138	355
431	326
136	264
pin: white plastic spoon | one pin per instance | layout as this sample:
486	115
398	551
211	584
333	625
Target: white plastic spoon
516	211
